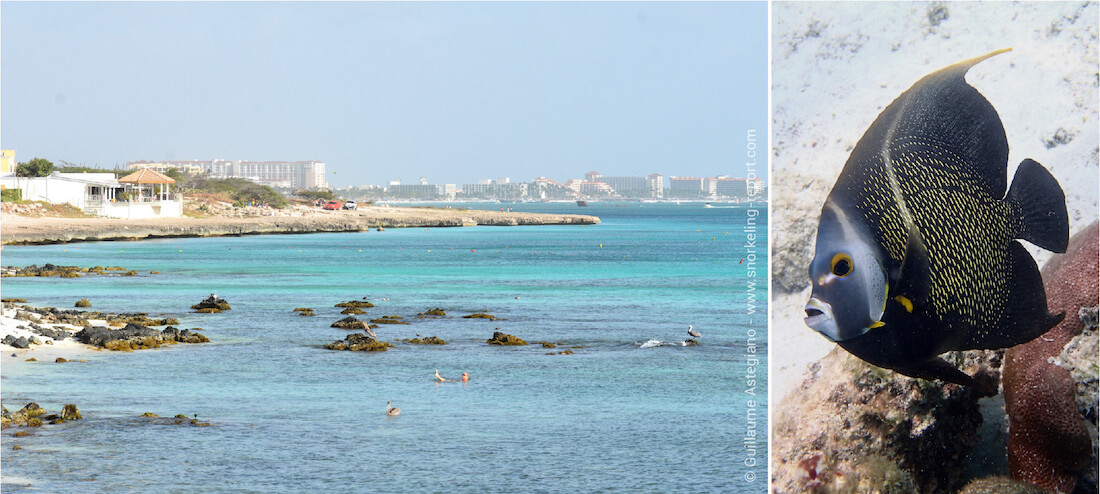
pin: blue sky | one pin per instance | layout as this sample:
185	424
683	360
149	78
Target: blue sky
455	92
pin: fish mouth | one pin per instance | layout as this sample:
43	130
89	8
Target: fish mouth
819	317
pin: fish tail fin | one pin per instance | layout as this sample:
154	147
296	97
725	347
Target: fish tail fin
1025	316
1041	205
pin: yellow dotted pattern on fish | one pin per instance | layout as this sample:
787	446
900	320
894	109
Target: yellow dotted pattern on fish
966	231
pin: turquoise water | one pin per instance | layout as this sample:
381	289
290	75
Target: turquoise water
290	416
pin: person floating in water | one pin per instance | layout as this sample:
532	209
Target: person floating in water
439	378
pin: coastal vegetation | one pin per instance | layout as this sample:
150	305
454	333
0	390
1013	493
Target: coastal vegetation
36	167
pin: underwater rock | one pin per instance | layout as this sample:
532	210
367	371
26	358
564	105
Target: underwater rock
547	344
359	342
504	339
1049	442
436	312
349	323
83	303
389	320
480	315
304	312
872	429
211	302
999	485
356	304
353	311
431	340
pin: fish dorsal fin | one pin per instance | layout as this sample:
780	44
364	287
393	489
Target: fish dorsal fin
943	115
913	279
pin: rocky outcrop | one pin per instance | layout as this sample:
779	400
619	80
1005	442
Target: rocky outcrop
136	337
431	340
359	342
350	323
211	304
51	270
389	320
480	315
356	304
83	303
1049	442
436	312
504	339
304	311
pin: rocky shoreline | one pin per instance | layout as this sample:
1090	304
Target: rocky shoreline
22	230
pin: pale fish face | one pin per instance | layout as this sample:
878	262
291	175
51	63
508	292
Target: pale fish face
849	282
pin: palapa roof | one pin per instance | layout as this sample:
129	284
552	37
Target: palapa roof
146	176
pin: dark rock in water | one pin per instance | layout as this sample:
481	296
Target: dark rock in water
504	339
100	336
854	427
69	412
357	304
23	417
431	340
436	312
349	323
83	303
211	302
359	342
60	360
136	337
14	300
480	315
353	311
691	342
1049	442
547	344
389	320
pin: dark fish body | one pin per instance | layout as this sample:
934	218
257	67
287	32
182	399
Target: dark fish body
923	230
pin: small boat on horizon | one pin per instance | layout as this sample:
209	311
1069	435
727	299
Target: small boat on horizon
582	203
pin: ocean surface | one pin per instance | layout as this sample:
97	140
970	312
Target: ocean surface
624	413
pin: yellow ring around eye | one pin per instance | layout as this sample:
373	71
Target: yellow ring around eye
841	266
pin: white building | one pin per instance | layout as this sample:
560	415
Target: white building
143	194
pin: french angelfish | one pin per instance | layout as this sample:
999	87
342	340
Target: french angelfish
916	250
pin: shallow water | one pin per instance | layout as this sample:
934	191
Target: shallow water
290	416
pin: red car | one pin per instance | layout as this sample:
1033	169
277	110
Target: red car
333	205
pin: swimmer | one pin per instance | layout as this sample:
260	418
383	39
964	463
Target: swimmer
465	377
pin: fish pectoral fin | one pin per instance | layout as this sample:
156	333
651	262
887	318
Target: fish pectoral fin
1025	316
938	368
1042	207
914	278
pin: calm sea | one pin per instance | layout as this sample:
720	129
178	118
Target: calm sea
621	414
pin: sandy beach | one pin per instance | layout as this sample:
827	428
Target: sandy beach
17	229
14	360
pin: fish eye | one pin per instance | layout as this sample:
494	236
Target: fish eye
841	265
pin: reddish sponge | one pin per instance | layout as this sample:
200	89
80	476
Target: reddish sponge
1048	441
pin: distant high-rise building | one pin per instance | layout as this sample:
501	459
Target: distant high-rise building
730	187
685	187
291	174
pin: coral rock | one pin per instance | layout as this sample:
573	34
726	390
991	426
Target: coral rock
871	429
1048	442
